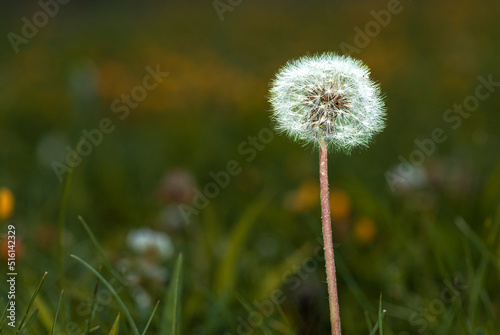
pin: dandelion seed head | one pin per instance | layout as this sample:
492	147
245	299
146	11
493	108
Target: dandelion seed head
327	99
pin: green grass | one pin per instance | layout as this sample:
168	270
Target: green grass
472	306
171	323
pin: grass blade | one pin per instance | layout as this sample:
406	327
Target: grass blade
380	317
101	251
368	320
92	310
226	275
171	314
151	317
113	292
4	314
57	312
476	241
379	325
30	322
21	324
374	330
445	326
476	287
116	325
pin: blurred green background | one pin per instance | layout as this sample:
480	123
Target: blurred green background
427	242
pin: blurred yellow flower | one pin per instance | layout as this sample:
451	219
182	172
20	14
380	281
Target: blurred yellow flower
305	198
365	230
6	203
340	205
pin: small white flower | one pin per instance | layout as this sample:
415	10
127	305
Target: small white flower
145	240
327	100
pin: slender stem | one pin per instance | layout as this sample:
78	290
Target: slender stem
328	241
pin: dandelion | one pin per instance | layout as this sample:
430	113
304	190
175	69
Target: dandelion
331	102
327	100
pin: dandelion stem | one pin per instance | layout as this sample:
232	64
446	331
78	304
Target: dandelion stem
328	241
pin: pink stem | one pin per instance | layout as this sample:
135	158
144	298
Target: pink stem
328	241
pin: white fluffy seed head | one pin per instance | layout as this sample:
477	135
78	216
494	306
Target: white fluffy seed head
327	99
